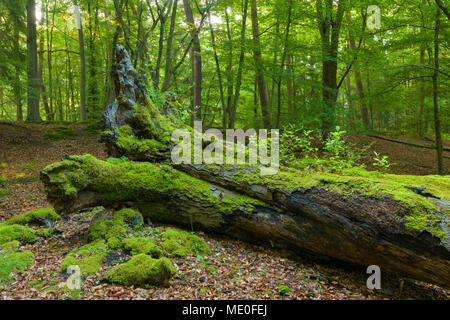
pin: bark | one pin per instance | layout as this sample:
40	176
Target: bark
359	84
196	61
219	73
257	54
17	85
82	63
33	77
353	229
285	211
169	51
437	121
329	28
237	92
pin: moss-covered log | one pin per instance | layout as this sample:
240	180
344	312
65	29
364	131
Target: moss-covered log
322	216
399	223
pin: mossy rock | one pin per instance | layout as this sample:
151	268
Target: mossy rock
20	233
89	258
180	243
32	217
13	262
113	228
142	270
142	245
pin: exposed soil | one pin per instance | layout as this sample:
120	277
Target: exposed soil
407	159
236	270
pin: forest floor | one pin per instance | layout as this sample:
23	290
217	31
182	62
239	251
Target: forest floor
235	270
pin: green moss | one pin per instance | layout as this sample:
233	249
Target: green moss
180	243
3	192
10	247
20	233
357	181
129	142
283	290
43	285
123	180
32	216
142	270
142	245
89	258
174	248
114	229
47	233
14	263
60	133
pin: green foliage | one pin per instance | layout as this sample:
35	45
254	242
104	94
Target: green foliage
283	290
382	162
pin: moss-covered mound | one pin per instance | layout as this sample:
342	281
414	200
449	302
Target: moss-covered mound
142	270
13	261
113	228
89	258
33	217
142	246
20	233
180	243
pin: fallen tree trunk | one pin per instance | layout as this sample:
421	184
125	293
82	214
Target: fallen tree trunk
355	229
362	218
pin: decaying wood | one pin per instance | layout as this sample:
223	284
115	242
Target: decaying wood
358	229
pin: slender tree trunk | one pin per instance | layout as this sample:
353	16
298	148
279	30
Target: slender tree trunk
40	72
437	122
17	86
290	84
421	121
197	61
262	86
33	77
283	61
329	28
219	73
237	91
169	51
359	84
82	62
229	70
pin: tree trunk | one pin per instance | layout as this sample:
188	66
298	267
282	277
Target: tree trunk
82	62
262	87
17	85
325	214
437	121
33	77
237	91
329	28
219	73
197	61
168	66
